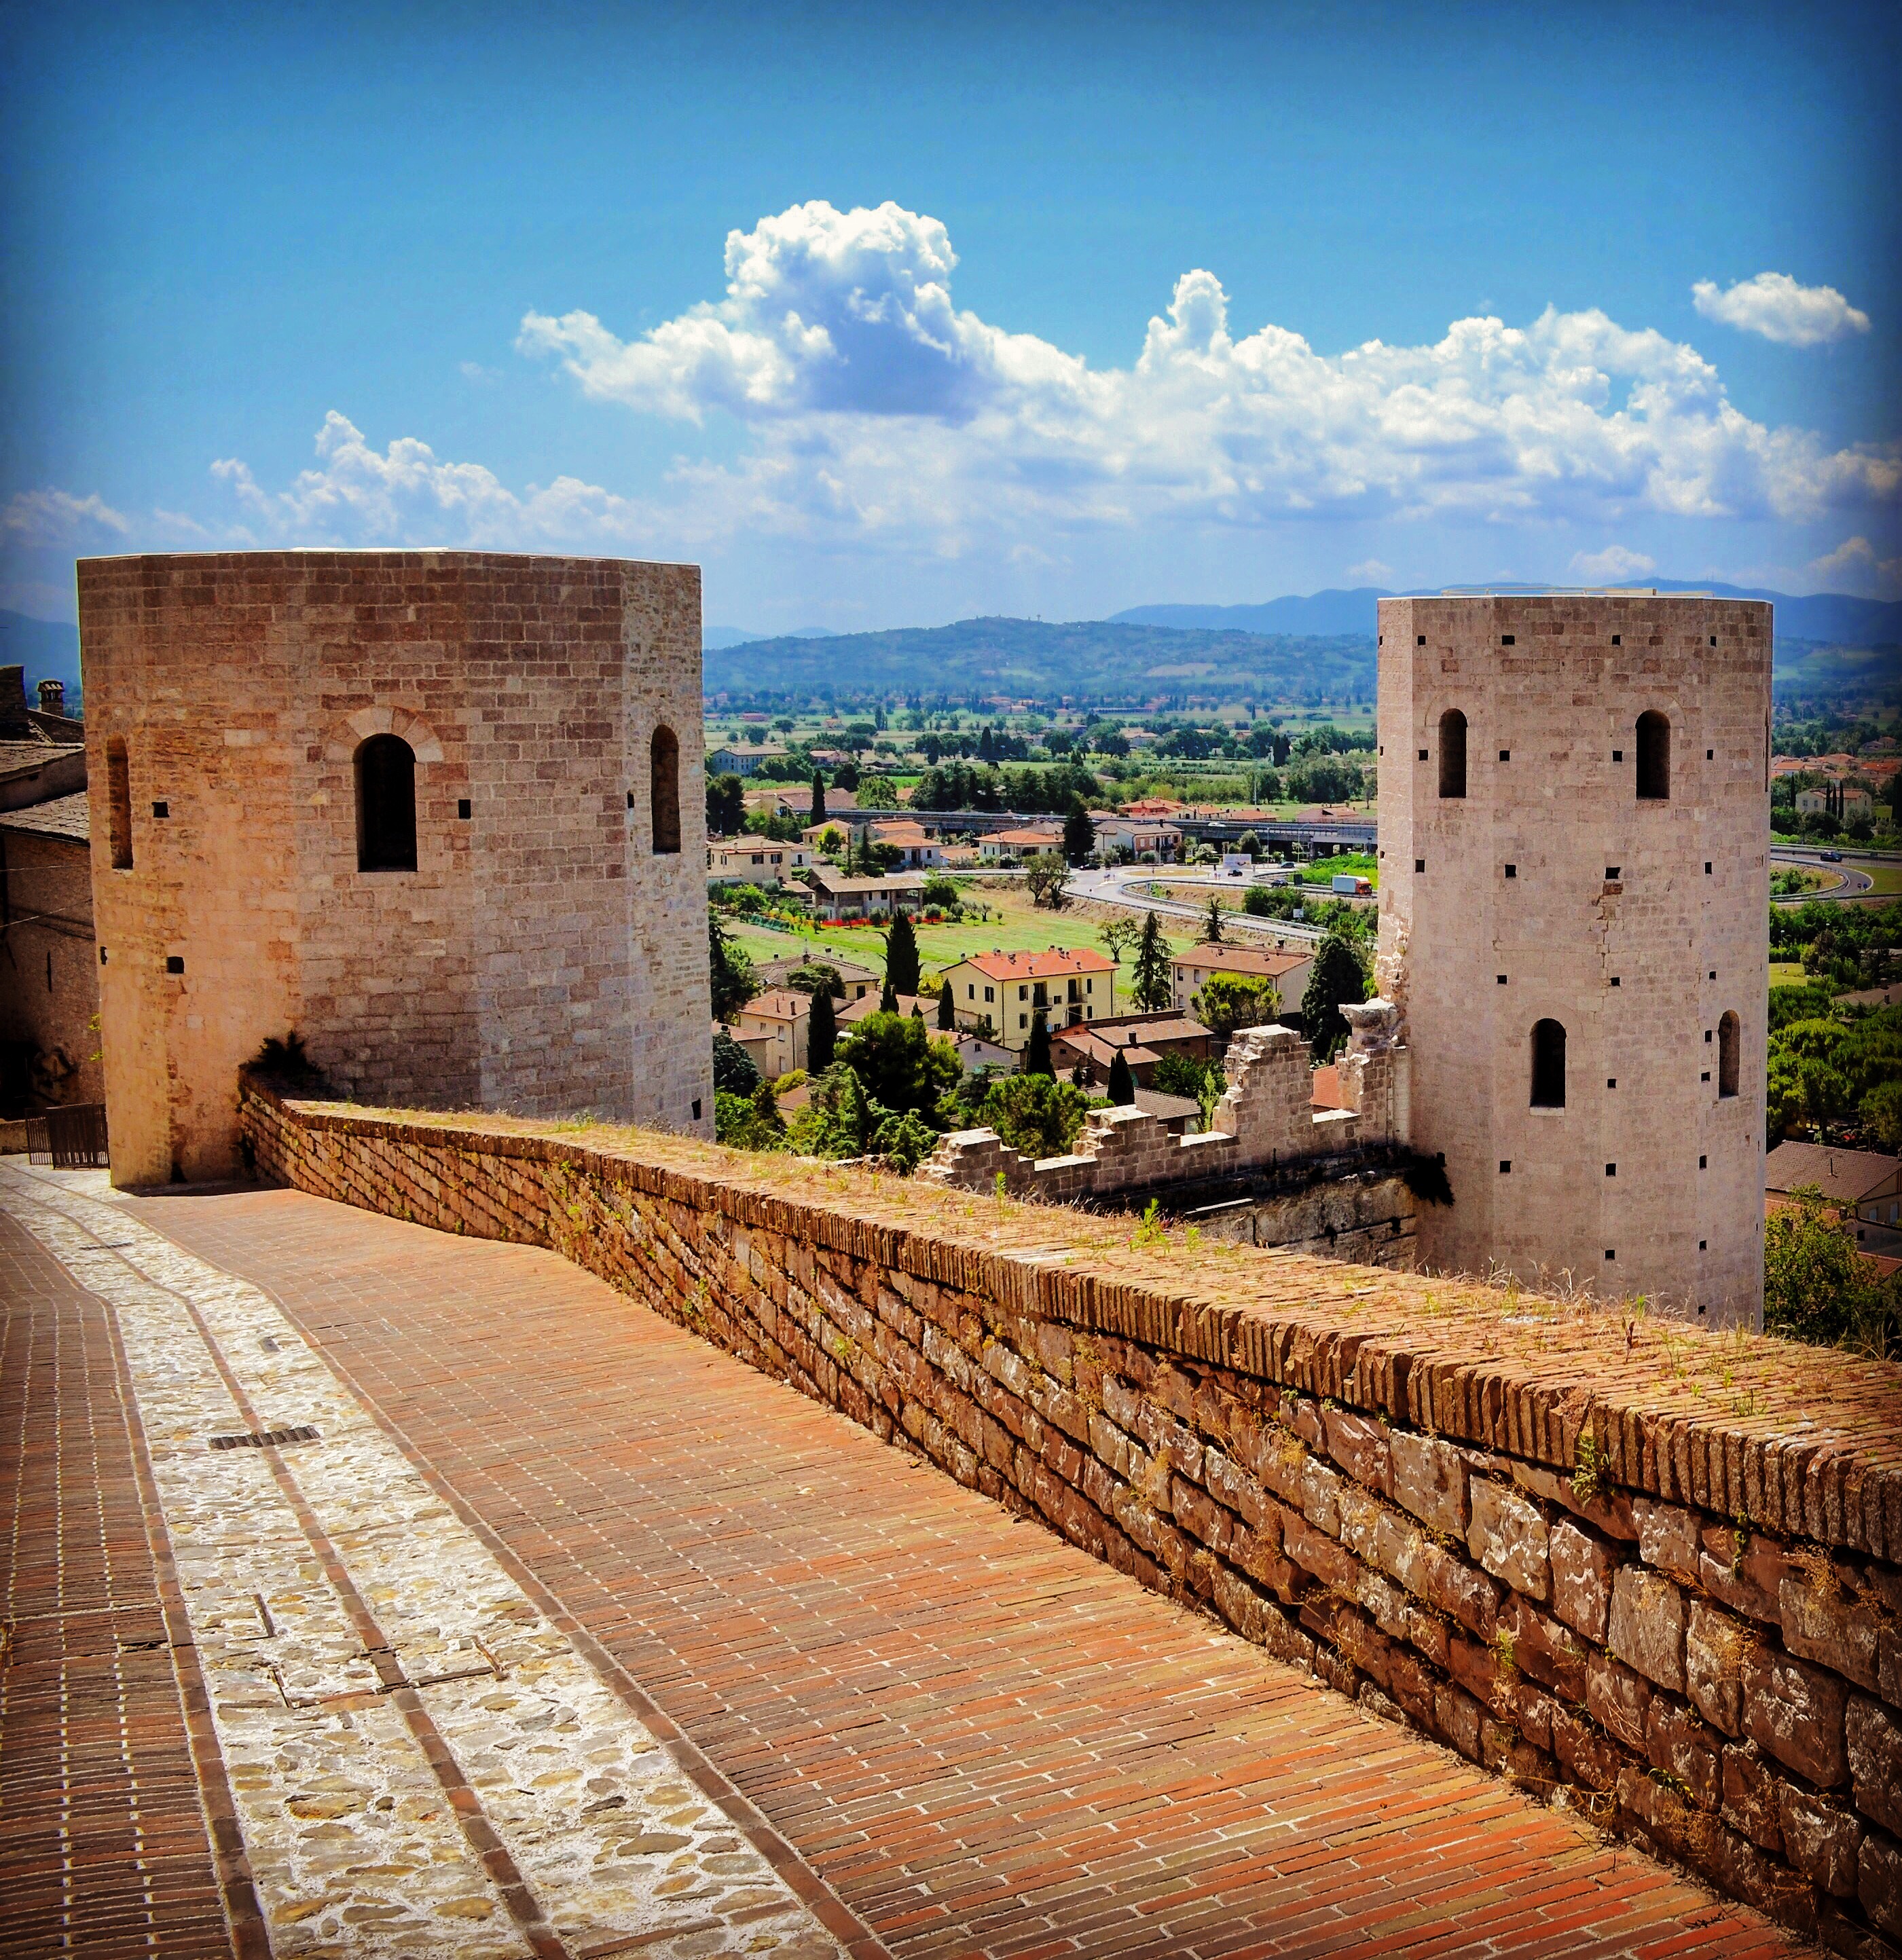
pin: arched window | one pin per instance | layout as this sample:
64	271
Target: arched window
1654	756
1548	1065
1452	753
119	802
1729	1047
664	787
386	770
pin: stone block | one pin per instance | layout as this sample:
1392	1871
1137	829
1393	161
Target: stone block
1751	1796
1547	1649
1582	1568
1822	1837
1358	1445
1715	1645
1794	1712
1668	1537
1873	1736
1744	1569
1318	1494
1507	1535
1646	1626
1619	1700
1879	1880
1232	1485
1456	1588
1586	1754
1821	1622
1427	1476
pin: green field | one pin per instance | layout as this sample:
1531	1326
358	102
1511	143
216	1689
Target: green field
1787	973
1015	925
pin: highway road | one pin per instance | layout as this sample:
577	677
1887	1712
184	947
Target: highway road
1129	885
1855	881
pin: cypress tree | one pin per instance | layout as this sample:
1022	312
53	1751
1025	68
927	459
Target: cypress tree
1036	1050
1122	1083
822	1032
888	996
1152	968
1211	925
1079	833
901	954
946	1009
818	797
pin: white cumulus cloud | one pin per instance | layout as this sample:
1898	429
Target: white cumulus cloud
1614	561
1774	305
56	517
876	407
1856	564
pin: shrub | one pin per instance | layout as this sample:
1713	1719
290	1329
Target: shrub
1034	1114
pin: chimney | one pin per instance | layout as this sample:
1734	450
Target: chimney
13	692
52	697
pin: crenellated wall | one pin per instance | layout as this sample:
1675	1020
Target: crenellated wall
1645	1572
1265	1119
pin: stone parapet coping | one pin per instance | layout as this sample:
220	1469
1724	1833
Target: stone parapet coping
1801	1441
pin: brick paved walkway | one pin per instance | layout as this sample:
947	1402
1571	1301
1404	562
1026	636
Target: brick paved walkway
104	1842
984	1742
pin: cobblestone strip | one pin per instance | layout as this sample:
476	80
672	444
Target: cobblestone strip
355	1844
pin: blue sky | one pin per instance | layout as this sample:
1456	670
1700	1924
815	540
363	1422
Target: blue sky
888	322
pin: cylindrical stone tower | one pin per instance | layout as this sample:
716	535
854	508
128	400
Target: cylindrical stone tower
1574	919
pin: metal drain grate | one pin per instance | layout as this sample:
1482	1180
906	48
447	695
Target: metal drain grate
263	1439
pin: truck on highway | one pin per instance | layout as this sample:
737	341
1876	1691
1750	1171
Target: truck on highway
1348	886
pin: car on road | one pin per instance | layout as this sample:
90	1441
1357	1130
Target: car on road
1831	856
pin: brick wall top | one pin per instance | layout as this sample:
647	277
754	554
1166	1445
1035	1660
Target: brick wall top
1804	1441
319	562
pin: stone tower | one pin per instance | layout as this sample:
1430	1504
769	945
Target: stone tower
439	812
1574	908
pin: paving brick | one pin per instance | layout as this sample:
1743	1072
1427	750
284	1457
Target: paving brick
986	1741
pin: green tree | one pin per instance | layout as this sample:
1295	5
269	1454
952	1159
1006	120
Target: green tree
1153	980
942	893
1119	936
822	1032
946	1009
878	793
1036	1050
888	997
1249	842
1034	1114
734	981
818	797
742	1122
1336	975
1882	1114
1817	1287
899	1063
1212	922
734	1070
1045	873
901	954
1079	833
1122	1083
1228	1001
726	805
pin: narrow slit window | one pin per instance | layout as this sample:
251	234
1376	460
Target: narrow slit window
119	804
664	791
1452	753
1653	757
385	772
1729	1049
1548	1065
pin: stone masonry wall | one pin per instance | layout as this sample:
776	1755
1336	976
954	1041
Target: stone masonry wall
1645	1572
1266	1117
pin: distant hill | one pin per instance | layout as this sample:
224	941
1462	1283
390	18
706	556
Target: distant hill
48	649
1103	660
1830	619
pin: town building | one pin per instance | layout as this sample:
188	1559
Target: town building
917	847
1027	842
754	860
1190	971
835	896
742	758
773	1027
1143	1039
1848	803
1003	992
437	812
854	980
1148	840
50	1045
1862	1185
1574	900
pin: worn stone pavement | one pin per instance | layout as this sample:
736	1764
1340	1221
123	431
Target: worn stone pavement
927	1728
